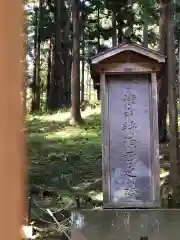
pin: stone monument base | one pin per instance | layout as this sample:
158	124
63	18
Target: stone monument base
126	224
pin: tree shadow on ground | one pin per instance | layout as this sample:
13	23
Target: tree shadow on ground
65	157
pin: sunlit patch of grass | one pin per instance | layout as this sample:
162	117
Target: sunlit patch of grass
89	111
164	173
57	117
63	116
70	133
96	196
62	156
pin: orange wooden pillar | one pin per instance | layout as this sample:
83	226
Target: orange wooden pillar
12	144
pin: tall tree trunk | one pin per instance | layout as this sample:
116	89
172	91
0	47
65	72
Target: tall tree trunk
75	71
67	57
82	69
34	83
98	30
38	90
120	24
163	89
145	28
49	63
82	33
173	119
114	34
66	33
55	101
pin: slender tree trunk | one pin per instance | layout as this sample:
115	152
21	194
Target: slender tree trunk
66	55
49	61
120	24
38	90
173	119
82	33
98	30
34	83
163	89
67	58
69	66
82	69
145	28
57	82
75	71
114	34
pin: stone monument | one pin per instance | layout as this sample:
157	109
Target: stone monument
130	125
127	75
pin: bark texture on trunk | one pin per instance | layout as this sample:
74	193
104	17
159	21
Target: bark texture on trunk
75	70
82	70
172	99
49	71
82	33
34	83
55	100
67	58
163	89
145	28
38	86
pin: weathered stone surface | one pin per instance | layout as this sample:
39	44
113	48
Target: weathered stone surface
126	224
131	168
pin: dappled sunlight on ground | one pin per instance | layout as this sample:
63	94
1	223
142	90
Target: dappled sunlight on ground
57	117
89	112
68	158
65	157
70	133
64	116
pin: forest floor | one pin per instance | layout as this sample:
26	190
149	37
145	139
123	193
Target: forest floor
66	160
64	157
